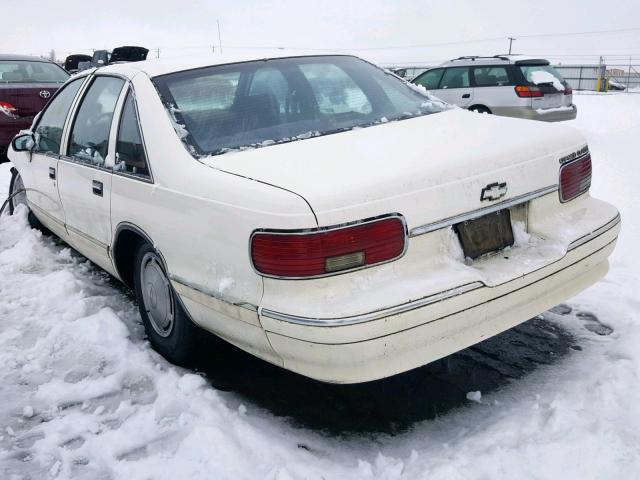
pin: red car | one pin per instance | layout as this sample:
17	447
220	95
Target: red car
26	85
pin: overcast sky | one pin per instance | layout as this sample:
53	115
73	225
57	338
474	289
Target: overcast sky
188	27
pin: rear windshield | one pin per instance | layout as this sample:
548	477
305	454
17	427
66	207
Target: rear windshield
247	105
543	74
31	72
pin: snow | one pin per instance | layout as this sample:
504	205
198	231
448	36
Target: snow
83	396
564	108
540	76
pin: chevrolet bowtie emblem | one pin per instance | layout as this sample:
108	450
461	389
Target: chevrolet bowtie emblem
494	191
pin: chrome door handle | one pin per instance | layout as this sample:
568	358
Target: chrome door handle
52	173
97	188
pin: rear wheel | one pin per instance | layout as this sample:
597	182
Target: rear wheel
480	109
168	327
19	197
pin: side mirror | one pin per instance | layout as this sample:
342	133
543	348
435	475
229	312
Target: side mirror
23	143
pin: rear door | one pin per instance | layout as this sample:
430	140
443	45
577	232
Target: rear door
41	176
489	86
455	86
85	170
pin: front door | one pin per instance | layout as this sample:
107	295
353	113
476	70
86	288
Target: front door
455	87
42	176
85	171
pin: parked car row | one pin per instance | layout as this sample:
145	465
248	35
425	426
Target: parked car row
511	86
27	83
262	197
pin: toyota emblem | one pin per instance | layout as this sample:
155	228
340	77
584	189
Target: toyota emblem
45	93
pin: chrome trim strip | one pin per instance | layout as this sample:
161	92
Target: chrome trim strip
447	222
597	232
376	315
212	294
89	238
45	213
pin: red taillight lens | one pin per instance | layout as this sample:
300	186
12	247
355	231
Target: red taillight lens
575	178
568	90
7	108
525	91
314	253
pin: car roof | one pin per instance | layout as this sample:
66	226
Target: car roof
494	60
162	66
15	57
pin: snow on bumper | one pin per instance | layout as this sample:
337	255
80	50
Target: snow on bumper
340	354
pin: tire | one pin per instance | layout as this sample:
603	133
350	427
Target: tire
480	109
168	327
16	184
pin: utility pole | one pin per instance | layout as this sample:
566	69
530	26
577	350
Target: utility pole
511	39
628	73
158	52
219	37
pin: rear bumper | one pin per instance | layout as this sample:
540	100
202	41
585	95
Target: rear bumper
453	321
549	115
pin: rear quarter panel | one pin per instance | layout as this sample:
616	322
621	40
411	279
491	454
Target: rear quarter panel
199	218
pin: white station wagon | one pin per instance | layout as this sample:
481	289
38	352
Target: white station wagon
313	210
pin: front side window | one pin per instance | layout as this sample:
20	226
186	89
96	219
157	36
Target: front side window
24	71
130	156
48	133
457	77
430	79
89	140
247	105
490	76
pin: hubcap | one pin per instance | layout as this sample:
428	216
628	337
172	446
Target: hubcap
157	295
21	198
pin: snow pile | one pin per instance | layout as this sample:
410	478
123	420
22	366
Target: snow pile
82	396
540	77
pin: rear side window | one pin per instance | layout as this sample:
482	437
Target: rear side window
490	76
457	77
90	134
130	156
430	79
48	133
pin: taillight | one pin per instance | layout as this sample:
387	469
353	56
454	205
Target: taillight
322	252
575	178
8	109
525	91
568	90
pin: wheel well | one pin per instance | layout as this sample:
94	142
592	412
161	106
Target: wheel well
484	107
124	249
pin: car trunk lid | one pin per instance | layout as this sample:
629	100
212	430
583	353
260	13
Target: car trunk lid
428	168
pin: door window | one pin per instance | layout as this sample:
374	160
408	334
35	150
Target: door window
130	156
48	133
490	76
430	79
457	77
89	140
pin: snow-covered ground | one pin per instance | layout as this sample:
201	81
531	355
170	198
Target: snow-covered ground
83	396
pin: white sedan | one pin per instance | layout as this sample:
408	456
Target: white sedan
313	210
